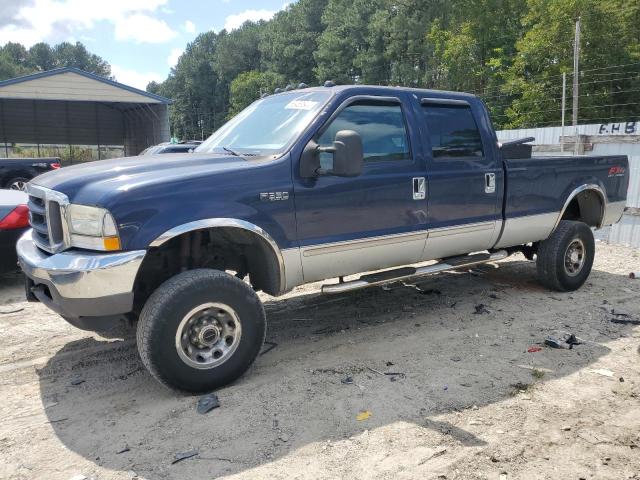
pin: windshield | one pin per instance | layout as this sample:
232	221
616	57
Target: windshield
268	126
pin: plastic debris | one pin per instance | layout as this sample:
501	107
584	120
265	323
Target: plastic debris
363	415
123	450
480	309
178	457
626	321
347	381
605	372
77	381
566	341
534	349
623	318
207	403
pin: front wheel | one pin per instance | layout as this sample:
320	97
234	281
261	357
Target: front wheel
200	330
566	257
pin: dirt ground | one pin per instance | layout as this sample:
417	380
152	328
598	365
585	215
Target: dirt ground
471	401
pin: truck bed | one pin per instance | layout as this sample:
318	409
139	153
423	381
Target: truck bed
537	190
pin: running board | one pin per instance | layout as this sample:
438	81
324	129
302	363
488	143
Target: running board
390	276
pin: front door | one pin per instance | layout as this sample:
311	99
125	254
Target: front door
464	181
375	220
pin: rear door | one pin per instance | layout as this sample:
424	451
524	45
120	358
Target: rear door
464	179
375	220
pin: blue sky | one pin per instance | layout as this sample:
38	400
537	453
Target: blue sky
141	39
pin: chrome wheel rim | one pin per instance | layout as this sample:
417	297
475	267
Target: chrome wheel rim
574	257
208	335
18	185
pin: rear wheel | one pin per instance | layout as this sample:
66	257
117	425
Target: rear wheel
200	330
18	183
564	260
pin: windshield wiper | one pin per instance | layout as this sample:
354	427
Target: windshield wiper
235	154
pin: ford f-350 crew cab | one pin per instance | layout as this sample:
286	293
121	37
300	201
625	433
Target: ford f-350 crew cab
302	186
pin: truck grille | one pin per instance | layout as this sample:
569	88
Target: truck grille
46	213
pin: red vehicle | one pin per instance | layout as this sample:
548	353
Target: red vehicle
14	220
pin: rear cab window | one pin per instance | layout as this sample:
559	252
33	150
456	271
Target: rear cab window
452	130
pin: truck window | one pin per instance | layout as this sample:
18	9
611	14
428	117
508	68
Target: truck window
381	126
453	131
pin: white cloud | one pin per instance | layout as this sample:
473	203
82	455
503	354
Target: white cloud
234	21
56	20
174	55
189	27
143	29
134	78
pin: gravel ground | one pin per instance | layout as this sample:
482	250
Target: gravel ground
468	400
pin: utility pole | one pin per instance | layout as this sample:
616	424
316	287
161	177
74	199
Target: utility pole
564	108
576	86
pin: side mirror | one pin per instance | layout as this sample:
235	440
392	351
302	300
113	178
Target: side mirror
348	156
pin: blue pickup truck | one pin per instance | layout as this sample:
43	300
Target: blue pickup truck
374	184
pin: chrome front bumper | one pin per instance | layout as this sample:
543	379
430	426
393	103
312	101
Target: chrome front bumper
77	283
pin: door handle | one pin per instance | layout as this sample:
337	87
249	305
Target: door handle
419	188
489	183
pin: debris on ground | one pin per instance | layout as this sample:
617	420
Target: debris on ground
178	457
534	349
375	371
11	311
626	321
395	374
124	449
565	341
207	403
634	275
271	346
623	318
428	291
605	372
363	415
77	381
480	309
347	381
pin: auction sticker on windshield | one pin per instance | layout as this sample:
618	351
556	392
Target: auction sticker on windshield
300	105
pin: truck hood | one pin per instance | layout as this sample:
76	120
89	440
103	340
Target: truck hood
91	183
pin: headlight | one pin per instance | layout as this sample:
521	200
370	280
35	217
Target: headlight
92	228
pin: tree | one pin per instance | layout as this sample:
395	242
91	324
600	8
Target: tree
16	60
546	51
510	52
42	57
76	55
249	86
289	41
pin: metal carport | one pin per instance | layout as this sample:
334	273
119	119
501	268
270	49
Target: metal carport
68	106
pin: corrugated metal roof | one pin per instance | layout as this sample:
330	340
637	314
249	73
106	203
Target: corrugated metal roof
39	92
